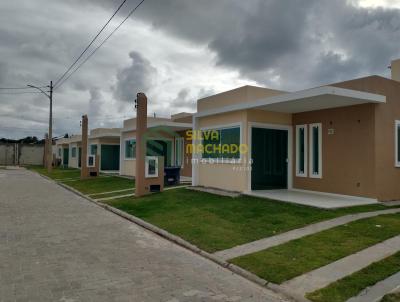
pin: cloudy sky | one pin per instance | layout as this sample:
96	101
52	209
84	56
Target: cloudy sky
177	51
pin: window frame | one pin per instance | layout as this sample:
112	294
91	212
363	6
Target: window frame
73	154
311	152
396	143
148	158
223	127
181	141
90	150
305	157
134	154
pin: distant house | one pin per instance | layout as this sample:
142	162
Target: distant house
69	150
102	142
165	137
343	139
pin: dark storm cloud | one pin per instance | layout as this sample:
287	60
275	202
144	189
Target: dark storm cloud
283	44
301	43
134	78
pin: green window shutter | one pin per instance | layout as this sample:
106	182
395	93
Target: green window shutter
230	137
93	149
211	141
130	149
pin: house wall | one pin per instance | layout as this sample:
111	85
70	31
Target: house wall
186	169
387	176
235	96
348	155
127	167
234	176
73	161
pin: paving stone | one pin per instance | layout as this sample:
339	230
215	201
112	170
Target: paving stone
56	246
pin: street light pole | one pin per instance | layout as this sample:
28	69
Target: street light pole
50	139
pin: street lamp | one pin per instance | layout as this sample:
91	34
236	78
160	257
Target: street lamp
50	142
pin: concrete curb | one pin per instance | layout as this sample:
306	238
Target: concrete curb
183	243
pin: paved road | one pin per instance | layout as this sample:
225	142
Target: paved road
56	246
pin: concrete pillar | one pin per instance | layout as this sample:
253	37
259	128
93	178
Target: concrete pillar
395	68
84	145
46	150
141	128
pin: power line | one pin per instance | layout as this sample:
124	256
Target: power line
26	92
17	88
90	44
97	48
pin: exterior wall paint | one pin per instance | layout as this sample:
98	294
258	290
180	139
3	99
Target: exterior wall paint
387	176
348	157
73	161
235	96
235	177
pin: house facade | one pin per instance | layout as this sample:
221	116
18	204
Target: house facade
105	144
338	139
165	137
102	142
69	150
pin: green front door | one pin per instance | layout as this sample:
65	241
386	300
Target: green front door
65	157
269	151
160	148
109	158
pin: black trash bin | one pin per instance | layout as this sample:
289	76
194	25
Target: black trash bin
172	175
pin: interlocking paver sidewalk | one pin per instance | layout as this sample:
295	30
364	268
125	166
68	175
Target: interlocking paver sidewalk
57	246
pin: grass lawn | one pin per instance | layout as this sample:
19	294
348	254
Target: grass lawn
96	196
58	173
101	184
88	186
395	297
296	257
215	223
350	286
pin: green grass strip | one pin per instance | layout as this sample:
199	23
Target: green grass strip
350	286
215	223
395	297
289	260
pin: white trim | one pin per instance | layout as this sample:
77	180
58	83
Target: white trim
293	96
90	148
124	147
396	144
221	127
305	172
311	142
94	161
182	140
148	158
289	129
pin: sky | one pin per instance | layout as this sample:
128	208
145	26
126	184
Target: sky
177	51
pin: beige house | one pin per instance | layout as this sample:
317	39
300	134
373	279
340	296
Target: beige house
103	142
166	137
342	139
68	151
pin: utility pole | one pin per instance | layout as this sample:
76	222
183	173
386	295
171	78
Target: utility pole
49	158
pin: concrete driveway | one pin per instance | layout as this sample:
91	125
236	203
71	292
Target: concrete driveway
56	246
